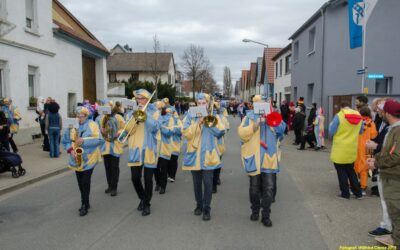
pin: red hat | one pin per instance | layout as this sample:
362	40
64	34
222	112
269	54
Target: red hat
392	107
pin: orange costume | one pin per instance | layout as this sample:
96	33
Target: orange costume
360	165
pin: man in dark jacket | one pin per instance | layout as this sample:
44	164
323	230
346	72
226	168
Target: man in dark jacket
388	163
298	125
285	113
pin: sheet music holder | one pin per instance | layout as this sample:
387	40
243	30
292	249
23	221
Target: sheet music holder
104	110
71	123
129	104
198	111
262	108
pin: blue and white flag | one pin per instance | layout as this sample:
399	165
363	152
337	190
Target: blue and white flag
356	21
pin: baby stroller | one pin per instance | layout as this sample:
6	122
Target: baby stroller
11	162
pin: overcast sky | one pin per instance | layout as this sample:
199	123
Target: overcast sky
216	25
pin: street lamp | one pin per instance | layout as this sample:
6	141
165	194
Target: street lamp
266	89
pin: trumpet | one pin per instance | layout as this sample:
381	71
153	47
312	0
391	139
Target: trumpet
211	120
138	116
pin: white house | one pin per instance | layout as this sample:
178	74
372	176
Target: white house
45	51
123	65
282	76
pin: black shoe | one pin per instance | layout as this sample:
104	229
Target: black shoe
162	190
267	222
219	182
157	188
82	206
113	192
255	216
310	147
140	207
214	189
84	210
317	148
379	232
198	211
146	211
206	216
108	190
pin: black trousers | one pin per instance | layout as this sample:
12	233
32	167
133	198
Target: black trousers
145	193
12	143
217	173
161	172
297	133
262	193
309	138
84	179
111	164
346	174
173	166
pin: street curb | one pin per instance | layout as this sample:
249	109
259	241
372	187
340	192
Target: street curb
33	180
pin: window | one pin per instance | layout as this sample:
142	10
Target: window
169	78
296	51
294	93
280	97
3	78
3	9
311	40
32	81
383	86
310	94
280	67
1	83
30	13
112	77
276	70
134	77
288	61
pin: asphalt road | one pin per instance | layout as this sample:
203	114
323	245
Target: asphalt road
45	215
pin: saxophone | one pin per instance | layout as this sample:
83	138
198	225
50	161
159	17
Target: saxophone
78	151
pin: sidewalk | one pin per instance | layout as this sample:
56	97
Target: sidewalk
38	165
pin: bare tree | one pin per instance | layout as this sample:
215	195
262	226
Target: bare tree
195	65
227	86
208	83
154	64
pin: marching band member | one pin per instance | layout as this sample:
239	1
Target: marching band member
260	157
111	127
201	155
221	112
83	146
165	147
143	150
176	146
176	140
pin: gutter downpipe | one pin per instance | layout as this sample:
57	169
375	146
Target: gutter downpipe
323	60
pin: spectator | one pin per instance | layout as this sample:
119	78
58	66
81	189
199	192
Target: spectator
345	129
368	134
361	101
4	131
388	163
53	125
319	129
298	125
285	114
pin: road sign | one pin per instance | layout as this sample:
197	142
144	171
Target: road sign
360	71
376	76
365	91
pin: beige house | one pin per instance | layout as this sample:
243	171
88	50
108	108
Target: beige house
124	65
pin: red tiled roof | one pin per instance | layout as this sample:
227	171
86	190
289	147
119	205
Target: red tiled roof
253	74
269	53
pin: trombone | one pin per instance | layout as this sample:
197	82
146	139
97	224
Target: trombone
138	116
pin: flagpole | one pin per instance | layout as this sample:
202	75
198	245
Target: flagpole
364	48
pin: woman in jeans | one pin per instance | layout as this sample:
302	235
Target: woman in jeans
53	129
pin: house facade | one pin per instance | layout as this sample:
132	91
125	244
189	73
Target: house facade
324	68
282	75
124	65
45	51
